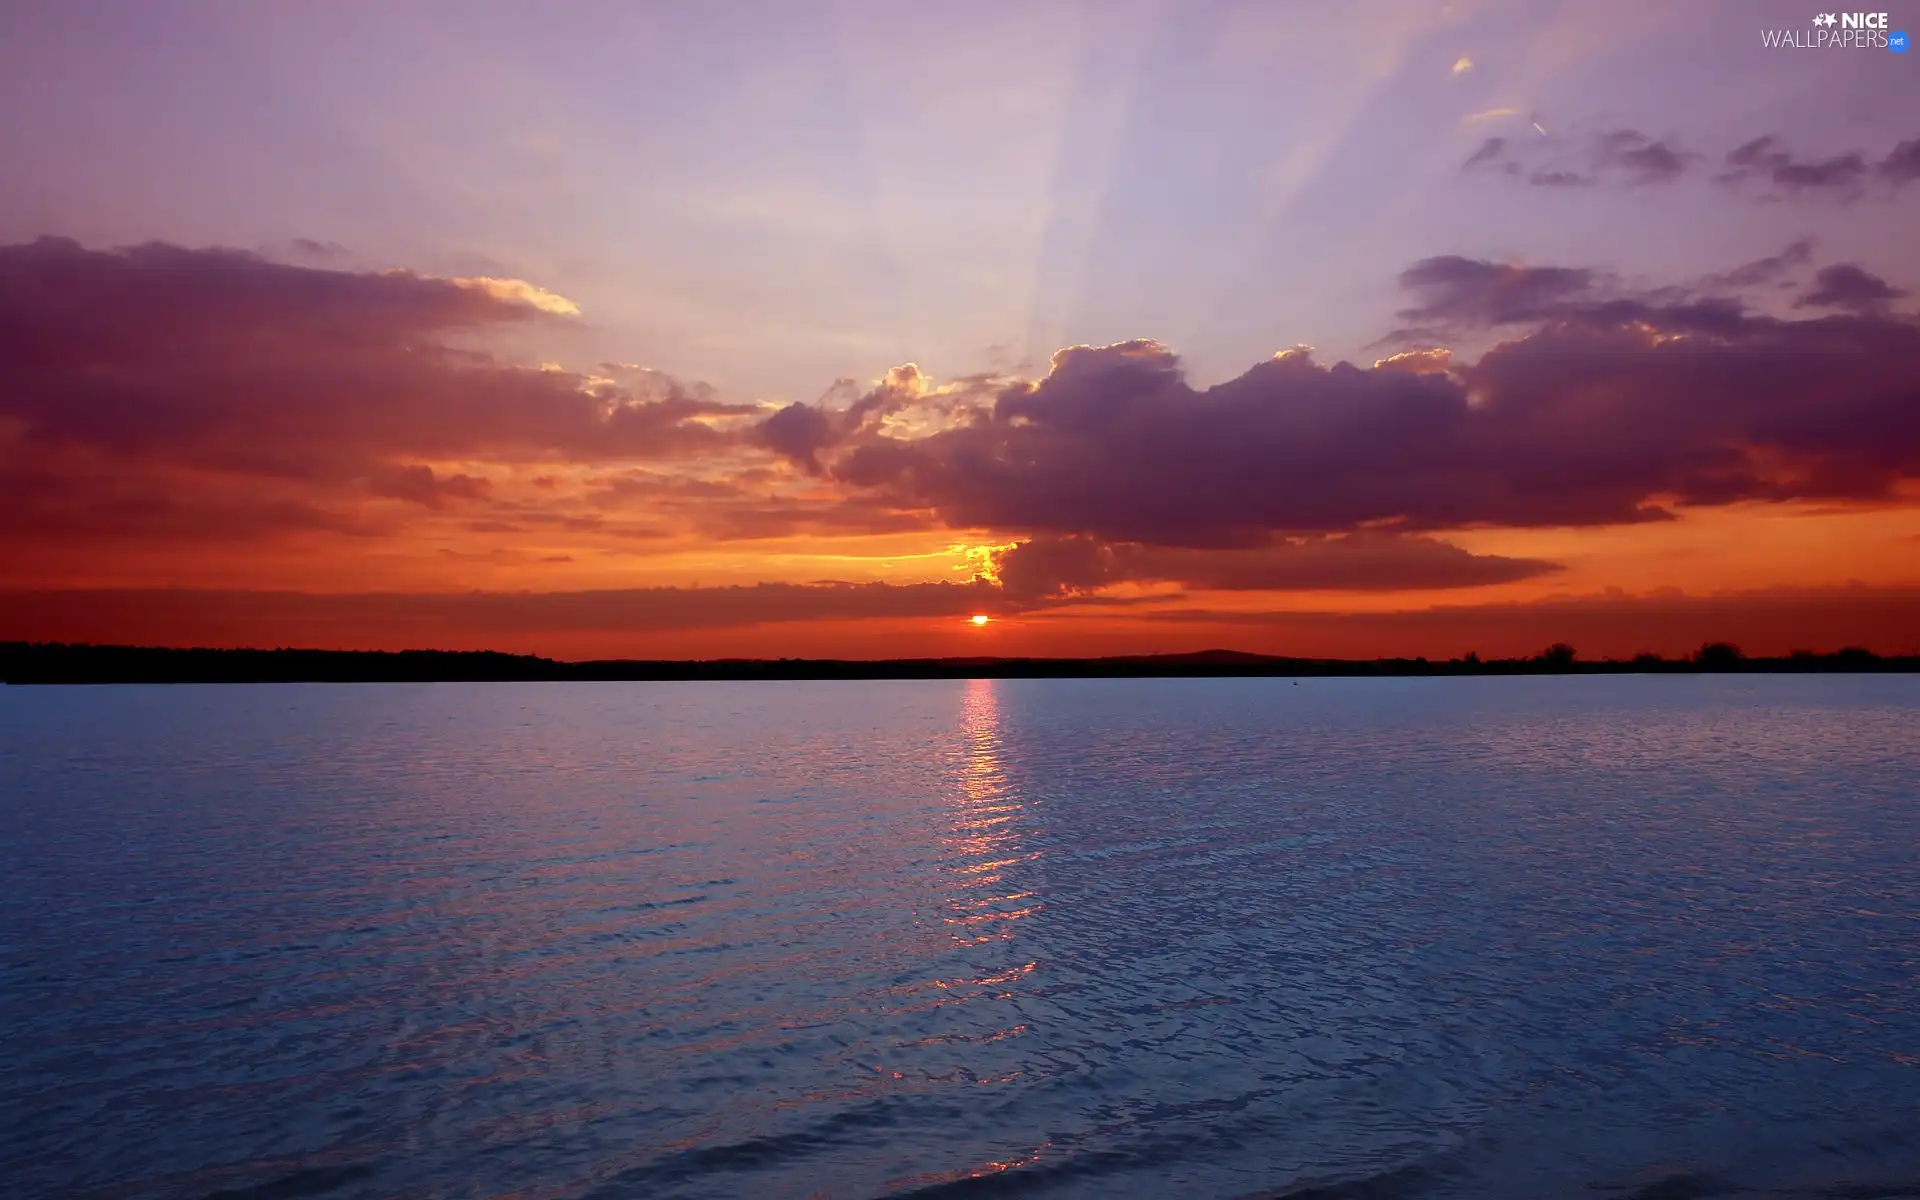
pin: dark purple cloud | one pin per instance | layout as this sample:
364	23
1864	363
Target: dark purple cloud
1762	271
801	432
1764	159
76	501
1492	152
421	486
1851	287
1453	289
729	509
160	392
1638	158
1630	158
1624	156
314	248
1608	407
1903	164
1464	295
1061	566
230	362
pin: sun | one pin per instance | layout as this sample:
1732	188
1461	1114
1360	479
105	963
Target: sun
979	618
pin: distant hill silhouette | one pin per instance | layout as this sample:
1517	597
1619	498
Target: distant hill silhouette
47	663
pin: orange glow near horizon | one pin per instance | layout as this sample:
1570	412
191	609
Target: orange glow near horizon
623	514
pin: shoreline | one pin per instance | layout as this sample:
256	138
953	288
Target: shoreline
24	663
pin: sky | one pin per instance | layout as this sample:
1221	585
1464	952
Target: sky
819	329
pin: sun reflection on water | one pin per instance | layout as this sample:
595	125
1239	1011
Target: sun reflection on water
984	839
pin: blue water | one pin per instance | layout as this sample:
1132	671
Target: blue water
1536	937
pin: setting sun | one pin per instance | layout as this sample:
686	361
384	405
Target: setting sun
979	618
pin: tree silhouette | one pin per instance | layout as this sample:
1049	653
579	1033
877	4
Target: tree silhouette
1559	655
1717	656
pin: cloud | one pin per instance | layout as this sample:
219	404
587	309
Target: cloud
1437	360
1455	289
160	395
224	359
1461	295
1624	156
1063	566
318	249
71	499
726	510
1641	159
1762	166
158	388
1491	152
55	507
421	486
1847	286
1902	165
1605	407
519	291
1763	159
1766	270
800	432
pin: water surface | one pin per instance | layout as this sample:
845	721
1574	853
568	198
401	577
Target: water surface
1574	936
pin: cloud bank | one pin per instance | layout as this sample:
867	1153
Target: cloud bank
162	395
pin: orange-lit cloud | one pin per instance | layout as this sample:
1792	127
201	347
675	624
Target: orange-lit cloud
324	455
519	291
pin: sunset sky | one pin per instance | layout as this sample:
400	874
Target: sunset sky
799	328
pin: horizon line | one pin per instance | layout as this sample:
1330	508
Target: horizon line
88	663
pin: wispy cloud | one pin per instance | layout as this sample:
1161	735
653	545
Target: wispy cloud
1761	167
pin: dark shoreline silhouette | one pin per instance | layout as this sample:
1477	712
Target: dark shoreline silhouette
55	663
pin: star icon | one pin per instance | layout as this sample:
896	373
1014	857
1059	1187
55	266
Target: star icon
1825	19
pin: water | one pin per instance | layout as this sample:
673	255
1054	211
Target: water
1530	937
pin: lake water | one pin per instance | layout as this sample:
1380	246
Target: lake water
1533	937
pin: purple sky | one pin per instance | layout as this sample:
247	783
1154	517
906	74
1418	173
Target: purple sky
769	196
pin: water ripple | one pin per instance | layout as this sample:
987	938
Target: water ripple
1616	937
